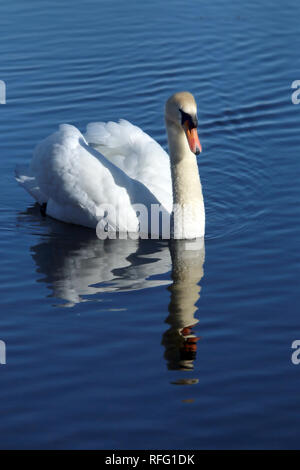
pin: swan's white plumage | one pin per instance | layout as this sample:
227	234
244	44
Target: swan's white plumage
76	180
118	165
135	153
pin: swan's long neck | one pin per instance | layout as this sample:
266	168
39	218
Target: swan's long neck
188	203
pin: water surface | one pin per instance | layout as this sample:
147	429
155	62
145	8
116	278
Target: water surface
113	344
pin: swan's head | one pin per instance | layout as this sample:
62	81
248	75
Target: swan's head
181	112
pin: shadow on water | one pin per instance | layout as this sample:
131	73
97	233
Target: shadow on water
78	267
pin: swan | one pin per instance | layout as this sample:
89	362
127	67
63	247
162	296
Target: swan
116	174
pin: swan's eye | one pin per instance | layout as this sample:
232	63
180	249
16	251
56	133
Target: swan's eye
187	118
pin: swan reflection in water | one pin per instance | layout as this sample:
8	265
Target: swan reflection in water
75	265
82	265
187	270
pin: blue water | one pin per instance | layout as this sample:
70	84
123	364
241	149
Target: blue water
101	338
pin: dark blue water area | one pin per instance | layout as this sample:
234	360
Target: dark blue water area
111	345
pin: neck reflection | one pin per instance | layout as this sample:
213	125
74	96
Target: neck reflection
180	340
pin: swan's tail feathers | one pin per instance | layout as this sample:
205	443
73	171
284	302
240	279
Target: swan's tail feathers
28	182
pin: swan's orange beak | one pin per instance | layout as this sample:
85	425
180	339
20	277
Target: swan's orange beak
192	137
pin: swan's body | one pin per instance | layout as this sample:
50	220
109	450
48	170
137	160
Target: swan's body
119	166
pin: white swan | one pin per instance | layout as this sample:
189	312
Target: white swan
118	165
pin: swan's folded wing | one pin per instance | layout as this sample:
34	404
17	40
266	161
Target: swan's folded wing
77	185
135	153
